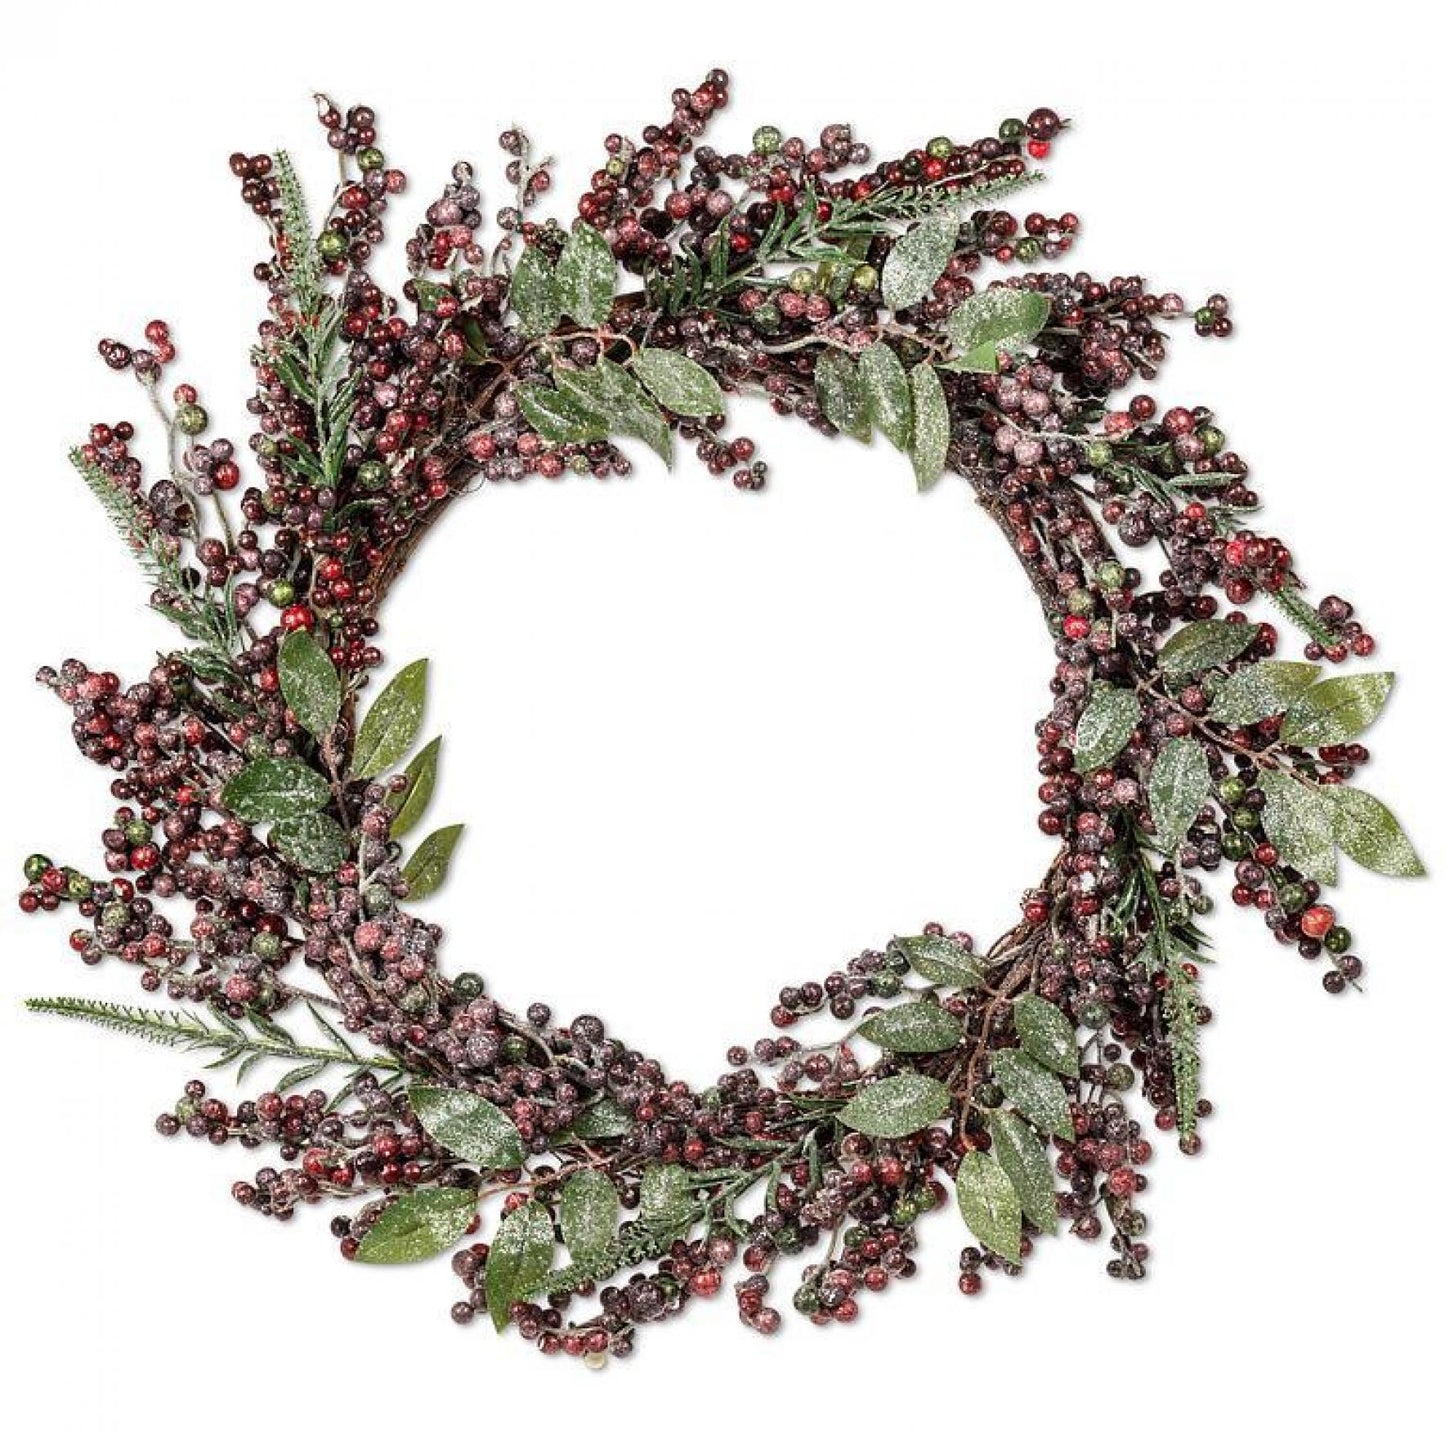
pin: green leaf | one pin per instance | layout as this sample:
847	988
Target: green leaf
315	841
611	392
898	1105
534	293
1046	1034
1264	689
1111	715
272	789
426	869
1337	710
418	1226
921	1027
421	777
391	723
472	1127
1201	645
1026	1162
665	1196
678	382
1368	832
588	1213
606	1119
890	402
1178	789
999	319
1299	822
989	1205
917	260
520	1257
930	426
1036	1093
561	420
585	276
841	395
941	960
309	682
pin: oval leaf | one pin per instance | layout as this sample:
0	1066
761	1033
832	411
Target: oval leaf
941	960
613	393
921	1027
1026	1162
1337	710
1367	830
666	1195
841	395
391	723
989	1205
1264	689
1298	821
1036	1093
472	1127
418	1226
1178	789
917	260
520	1257
999	319
895	1106
421	777
426	869
678	382
1104	727
930	426
270	790
561	420
1046	1034
1201	645
585	275
534	294
606	1119
588	1213
316	842
890	402
309	682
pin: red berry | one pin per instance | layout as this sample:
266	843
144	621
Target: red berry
1317	921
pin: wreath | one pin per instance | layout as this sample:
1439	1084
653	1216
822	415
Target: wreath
260	789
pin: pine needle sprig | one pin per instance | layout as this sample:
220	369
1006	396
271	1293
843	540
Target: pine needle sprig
296	248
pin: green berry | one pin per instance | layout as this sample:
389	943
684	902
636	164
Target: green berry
191	419
767	139
35	865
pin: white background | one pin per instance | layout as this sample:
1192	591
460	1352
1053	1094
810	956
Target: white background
708	743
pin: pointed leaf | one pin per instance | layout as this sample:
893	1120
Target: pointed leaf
272	789
606	1119
1110	717
534	293
391	723
898	1105
917	260
1264	689
920	1027
1299	822
520	1257
666	1195
941	960
1337	710
1367	830
999	319
1178	789
309	682
1198	646
421	777
586	273
1026	1162
1034	1091
613	393
418	1226
678	382
989	1205
588	1213
1047	1034
426	869
316	842
841	394
930	426
561	420
472	1127
890	401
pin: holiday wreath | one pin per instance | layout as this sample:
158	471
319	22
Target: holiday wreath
254	787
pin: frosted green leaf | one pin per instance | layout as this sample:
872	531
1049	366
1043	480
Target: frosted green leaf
559	419
1337	710
890	401
520	1257
678	382
899	1105
842	396
1034	1091
588	1213
270	790
426	869
613	393
921	1027
1046	1034
917	260
391	723
1298	821
1369	833
417	1226
1198	646
941	960
1104	727
1024	1159
999	319
534	293
586	272
421	776
314	841
1178	789
1264	689
989	1205
472	1127
930	426
309	682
